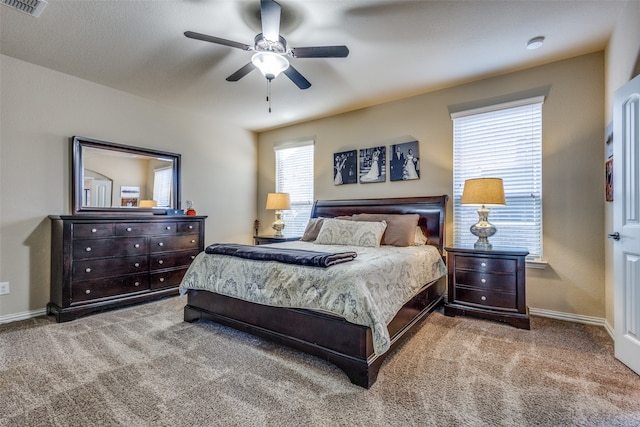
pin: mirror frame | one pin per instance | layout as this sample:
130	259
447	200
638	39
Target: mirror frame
77	167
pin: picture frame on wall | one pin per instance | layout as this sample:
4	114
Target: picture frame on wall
404	161
609	180
372	164
345	167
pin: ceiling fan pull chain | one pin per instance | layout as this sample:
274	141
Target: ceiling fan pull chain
269	93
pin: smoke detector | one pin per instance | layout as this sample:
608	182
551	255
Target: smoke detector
30	7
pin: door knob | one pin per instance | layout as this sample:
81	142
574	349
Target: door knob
614	236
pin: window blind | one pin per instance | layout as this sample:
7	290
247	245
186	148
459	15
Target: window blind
162	182
505	142
294	175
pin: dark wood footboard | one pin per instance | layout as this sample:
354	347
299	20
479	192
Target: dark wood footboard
347	345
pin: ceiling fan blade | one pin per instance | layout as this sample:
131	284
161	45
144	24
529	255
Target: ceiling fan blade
297	78
320	52
217	40
270	12
241	72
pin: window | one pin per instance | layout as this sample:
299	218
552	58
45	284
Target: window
162	180
501	141
294	175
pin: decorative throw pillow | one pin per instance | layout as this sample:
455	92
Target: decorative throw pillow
312	230
420	239
352	233
401	229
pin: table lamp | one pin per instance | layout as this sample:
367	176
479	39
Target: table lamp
483	192
278	202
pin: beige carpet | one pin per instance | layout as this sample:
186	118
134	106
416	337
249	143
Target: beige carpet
144	366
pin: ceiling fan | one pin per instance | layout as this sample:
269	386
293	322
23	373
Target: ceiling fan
271	49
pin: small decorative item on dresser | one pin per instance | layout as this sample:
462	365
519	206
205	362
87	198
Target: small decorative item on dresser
488	284
190	210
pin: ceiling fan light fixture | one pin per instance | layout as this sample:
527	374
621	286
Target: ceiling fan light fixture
270	64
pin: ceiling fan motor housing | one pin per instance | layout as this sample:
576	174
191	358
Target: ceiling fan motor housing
264	45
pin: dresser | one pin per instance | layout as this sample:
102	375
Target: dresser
488	283
101	262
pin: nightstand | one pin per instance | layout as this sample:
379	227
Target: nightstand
263	240
488	284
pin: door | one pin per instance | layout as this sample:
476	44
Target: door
626	222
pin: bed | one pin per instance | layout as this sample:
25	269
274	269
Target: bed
357	348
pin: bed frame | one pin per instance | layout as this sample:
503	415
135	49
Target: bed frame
347	345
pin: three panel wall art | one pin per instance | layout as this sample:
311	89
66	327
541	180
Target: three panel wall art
369	165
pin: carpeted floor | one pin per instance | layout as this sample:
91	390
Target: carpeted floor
144	366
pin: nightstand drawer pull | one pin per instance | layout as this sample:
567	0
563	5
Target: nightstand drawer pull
88	291
484	264
136	284
87	270
483	280
193	241
137	264
483	298
160	261
161	279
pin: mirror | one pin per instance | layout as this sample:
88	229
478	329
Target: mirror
116	178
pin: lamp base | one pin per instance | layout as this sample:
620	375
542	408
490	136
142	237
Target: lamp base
483	229
278	225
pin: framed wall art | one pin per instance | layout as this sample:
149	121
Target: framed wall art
372	162
404	161
345	167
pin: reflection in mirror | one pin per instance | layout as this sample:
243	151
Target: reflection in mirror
114	177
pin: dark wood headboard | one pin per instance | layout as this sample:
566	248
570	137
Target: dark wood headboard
431	209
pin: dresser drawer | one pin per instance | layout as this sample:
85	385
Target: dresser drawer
499	300
166	279
494	265
191	227
103	288
164	260
92	230
145	229
108	267
100	248
173	243
488	281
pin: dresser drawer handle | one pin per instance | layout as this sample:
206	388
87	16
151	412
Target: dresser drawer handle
94	230
88	291
129	228
168	227
160	244
193	241
483	280
484	264
136	284
191	227
137	245
161	279
483	298
87	270
88	249
160	261
137	264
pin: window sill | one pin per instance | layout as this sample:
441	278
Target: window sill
537	263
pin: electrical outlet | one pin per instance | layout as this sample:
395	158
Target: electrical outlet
4	288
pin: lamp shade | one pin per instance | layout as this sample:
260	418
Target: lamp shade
270	64
278	201
148	203
483	191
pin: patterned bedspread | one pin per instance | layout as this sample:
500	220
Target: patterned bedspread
367	291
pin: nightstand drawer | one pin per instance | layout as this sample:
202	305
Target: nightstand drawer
488	281
486	298
495	265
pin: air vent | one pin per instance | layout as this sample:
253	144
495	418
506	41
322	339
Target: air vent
32	7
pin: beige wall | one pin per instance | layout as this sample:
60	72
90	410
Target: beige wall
572	167
41	109
621	58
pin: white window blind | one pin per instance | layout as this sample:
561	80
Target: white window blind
294	175
503	141
162	181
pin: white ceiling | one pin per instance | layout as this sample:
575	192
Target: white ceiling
397	48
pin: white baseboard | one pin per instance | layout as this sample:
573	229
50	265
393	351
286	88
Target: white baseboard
577	318
22	316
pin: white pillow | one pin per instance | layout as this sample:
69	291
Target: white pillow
351	233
